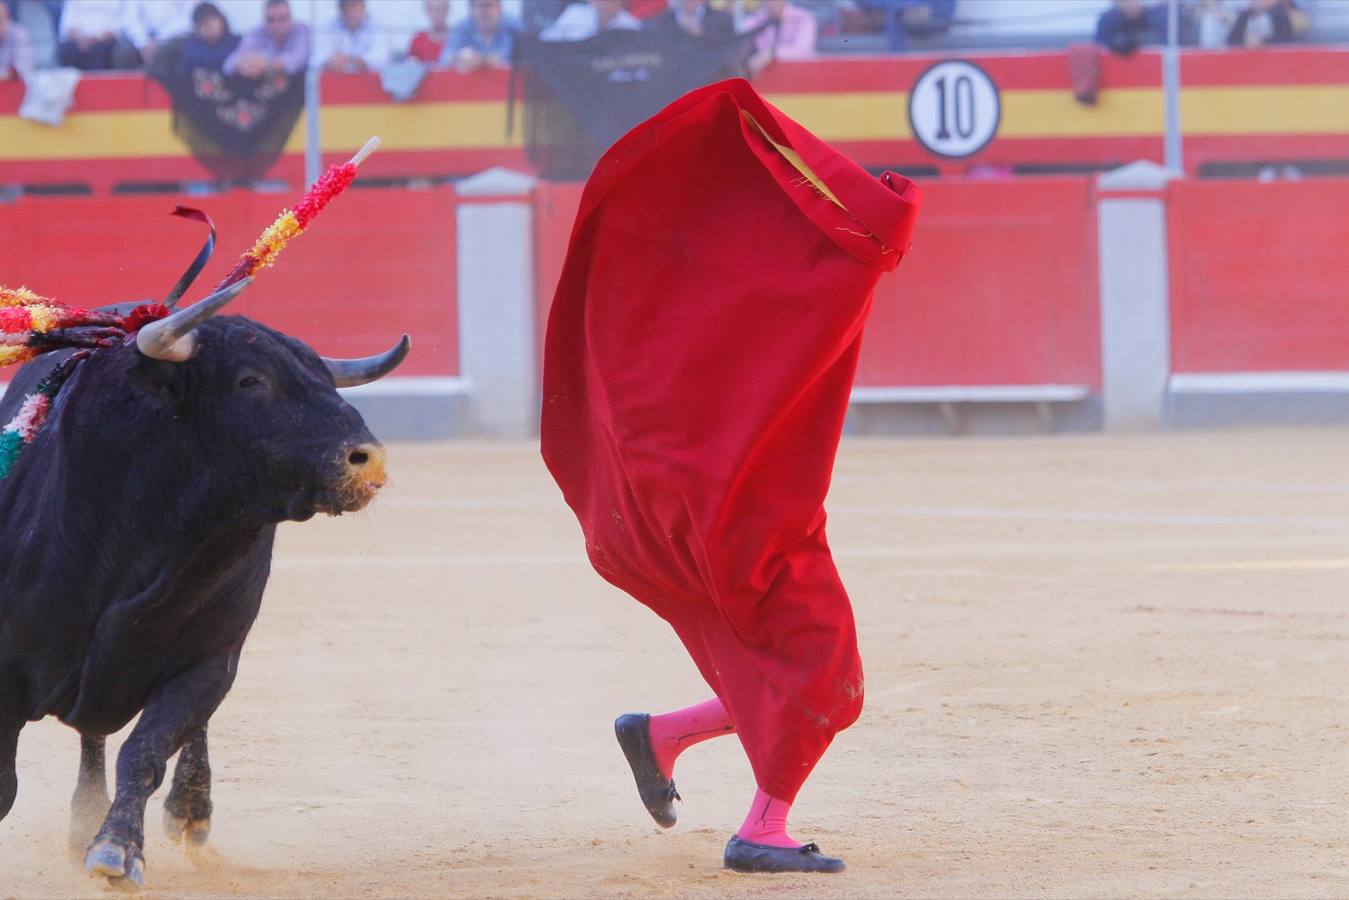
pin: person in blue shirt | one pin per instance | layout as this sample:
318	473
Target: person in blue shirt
485	38
911	21
1129	24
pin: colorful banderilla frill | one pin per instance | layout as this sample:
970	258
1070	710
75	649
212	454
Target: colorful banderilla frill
31	325
292	223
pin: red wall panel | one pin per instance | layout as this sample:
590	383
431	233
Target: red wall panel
377	263
1000	288
554	211
1258	275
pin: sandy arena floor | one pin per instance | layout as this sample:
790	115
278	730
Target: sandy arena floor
1095	667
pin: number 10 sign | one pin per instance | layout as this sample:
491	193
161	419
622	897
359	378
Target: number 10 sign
954	109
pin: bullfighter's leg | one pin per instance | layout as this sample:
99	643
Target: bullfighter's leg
187	809
653	743
90	803
174	713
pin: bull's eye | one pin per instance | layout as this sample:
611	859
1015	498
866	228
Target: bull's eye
250	381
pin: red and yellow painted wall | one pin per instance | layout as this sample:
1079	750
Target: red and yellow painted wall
1235	105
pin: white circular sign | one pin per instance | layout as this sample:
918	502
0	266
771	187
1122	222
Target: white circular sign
954	109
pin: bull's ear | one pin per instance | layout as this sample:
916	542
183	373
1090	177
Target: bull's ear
159	378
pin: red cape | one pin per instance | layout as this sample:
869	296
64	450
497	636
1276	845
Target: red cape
700	353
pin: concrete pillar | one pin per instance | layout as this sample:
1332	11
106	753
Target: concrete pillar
498	353
1135	294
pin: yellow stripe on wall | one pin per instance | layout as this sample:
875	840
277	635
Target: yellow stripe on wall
1303	109
91	135
1123	112
421	126
856	116
870	116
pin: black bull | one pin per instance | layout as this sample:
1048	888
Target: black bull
136	537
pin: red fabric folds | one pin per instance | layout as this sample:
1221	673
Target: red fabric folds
700	353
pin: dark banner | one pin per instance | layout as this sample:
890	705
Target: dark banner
581	96
236	127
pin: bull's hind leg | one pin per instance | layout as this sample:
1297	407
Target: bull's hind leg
174	713
187	809
90	803
12	721
10	726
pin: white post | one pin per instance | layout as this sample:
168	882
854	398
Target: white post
1135	295
498	346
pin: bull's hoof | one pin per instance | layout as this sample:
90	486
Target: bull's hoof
123	866
189	832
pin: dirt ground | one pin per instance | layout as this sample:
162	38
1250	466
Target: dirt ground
1096	666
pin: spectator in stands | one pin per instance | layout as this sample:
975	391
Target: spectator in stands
585	20
537	15
352	43
788	32
645	9
211	41
1262	22
149	24
427	45
694	18
93	34
1129	24
38	19
485	38
910	22
16	53
280	46
1212	22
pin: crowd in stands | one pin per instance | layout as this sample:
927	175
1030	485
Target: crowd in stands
470	34
1129	24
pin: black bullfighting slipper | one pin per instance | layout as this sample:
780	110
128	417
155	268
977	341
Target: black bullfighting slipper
747	856
658	793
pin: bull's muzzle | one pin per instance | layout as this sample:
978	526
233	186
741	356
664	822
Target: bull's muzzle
364	476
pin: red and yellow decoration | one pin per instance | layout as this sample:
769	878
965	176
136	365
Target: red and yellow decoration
291	224
31	324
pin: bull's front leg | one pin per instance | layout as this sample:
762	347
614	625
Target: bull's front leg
174	713
90	804
187	809
11	723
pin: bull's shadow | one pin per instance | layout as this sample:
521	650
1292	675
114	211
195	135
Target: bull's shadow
136	534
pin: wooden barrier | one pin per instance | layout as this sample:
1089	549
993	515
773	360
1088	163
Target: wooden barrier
1258	276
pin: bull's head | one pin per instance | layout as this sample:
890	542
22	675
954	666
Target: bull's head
269	406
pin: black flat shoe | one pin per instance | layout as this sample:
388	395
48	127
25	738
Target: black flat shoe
747	856
658	793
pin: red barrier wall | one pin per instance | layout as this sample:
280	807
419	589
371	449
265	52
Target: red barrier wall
1259	275
378	263
1000	289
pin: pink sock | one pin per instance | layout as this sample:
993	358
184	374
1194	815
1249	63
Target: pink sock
675	732
767	822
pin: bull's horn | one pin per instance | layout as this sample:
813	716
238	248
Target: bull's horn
171	339
355	372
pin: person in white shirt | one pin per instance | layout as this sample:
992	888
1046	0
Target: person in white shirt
91	31
149	23
585	20
352	43
16	51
